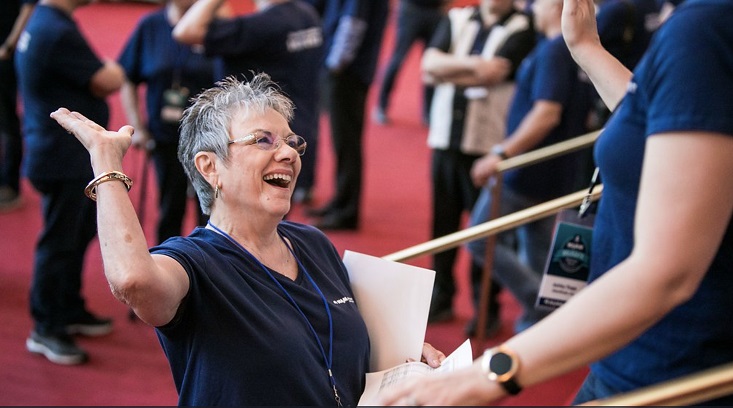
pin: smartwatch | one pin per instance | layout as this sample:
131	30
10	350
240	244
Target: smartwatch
499	150
500	364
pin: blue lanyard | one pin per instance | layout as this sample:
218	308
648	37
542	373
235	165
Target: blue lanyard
328	360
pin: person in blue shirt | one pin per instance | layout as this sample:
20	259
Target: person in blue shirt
172	73
659	301
57	67
280	38
250	310
551	104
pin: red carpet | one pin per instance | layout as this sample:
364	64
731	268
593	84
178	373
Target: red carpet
128	367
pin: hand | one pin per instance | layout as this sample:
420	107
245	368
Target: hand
432	356
468	386
579	24
103	145
483	169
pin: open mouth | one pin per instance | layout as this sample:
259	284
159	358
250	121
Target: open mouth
278	180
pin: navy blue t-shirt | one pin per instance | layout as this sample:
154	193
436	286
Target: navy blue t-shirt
285	41
626	27
549	73
670	91
237	339
55	66
151	56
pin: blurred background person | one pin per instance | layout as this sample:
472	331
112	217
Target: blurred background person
13	16
352	31
551	104
282	38
172	73
472	61
56	67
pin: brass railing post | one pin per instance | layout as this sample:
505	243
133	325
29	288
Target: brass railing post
495	185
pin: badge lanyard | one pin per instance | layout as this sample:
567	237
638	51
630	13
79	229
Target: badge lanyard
328	359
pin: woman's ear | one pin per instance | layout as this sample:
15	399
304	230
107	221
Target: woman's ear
206	164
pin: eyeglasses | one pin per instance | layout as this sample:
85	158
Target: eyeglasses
265	140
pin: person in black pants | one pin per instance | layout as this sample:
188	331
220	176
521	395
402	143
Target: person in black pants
416	21
13	16
352	32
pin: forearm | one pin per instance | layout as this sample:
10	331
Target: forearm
534	127
107	79
580	32
443	66
194	25
608	75
129	99
597	324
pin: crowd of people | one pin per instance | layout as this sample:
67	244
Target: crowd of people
231	112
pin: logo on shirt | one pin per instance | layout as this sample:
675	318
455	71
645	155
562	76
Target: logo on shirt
304	39
345	299
23	41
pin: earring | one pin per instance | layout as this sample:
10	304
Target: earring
216	191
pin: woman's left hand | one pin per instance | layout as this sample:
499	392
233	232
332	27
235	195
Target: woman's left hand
468	386
432	356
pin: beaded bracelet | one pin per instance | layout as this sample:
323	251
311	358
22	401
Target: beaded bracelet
91	189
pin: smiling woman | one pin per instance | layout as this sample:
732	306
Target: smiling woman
220	297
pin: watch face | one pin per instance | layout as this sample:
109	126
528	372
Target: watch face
500	363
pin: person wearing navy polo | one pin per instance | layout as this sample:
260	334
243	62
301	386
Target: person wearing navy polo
56	67
658	304
551	104
282	39
172	73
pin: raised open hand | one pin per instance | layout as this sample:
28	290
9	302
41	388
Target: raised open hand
102	144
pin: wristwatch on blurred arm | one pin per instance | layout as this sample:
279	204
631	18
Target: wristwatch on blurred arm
500	364
499	150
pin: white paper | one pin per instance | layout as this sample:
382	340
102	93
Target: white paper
376	382
394	301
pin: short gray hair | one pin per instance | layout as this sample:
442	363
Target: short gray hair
205	124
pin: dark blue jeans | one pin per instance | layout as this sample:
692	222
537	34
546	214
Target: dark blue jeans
69	225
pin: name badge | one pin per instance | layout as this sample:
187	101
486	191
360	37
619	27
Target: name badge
568	263
174	102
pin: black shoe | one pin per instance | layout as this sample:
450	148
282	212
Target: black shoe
333	221
493	327
58	348
89	325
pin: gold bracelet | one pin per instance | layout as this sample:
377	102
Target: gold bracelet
91	189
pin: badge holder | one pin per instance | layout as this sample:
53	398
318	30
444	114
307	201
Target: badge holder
568	263
174	102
